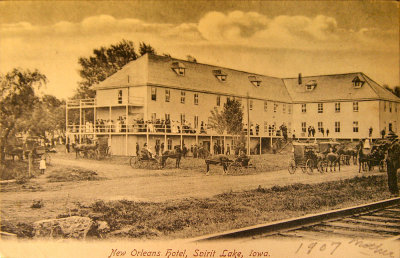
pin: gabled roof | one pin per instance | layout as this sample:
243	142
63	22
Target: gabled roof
157	70
337	87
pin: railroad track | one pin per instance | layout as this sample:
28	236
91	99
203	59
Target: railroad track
378	220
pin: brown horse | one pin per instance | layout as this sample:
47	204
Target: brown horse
220	159
172	154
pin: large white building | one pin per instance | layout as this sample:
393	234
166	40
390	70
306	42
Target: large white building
133	105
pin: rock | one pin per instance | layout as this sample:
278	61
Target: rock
70	227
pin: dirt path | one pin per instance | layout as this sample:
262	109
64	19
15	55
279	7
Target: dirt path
142	185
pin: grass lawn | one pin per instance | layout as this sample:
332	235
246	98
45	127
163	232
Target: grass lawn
194	217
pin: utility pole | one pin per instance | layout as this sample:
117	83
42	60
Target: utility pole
248	124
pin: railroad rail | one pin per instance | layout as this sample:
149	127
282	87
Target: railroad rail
380	220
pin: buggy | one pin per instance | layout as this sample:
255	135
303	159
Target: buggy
305	157
240	164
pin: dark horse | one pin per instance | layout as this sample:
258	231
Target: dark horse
220	159
84	148
172	154
363	159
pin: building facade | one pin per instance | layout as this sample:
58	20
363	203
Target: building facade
161	100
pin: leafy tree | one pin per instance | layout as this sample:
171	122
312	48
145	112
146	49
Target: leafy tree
217	121
395	90
146	48
103	63
233	115
18	99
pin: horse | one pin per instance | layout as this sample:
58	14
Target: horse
363	159
219	159
85	148
202	152
172	154
333	159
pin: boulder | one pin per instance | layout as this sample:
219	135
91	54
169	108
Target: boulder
70	227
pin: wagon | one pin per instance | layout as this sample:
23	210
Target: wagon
146	163
240	164
304	157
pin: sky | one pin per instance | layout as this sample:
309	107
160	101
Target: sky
275	38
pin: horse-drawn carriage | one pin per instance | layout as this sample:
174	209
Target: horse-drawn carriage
146	159
236	166
310	156
95	149
304	157
374	156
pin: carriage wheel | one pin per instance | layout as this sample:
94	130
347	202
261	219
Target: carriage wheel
134	162
235	168
292	166
382	166
321	166
309	166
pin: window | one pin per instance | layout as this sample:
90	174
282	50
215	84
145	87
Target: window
357	82
275	107
284	108
182	119
355	126
178	68
251	104
303	127
196	98
255	81
320	126
153	117
220	75
384	106
390	107
153	93
395	107
196	122
265	106
311	85
289	108
265	127
218	101
167	117
183	95
169	144
337	107
320	107
355	106
303	108
337	127
167	95
120	97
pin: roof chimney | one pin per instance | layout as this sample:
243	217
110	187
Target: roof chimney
300	81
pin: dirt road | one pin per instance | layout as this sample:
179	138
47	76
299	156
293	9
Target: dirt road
123	182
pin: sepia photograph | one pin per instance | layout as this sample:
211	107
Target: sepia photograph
199	129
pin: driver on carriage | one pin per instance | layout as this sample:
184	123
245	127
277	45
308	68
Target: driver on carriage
243	159
146	152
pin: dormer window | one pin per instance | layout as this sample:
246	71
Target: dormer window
255	80
220	75
179	68
357	82
311	85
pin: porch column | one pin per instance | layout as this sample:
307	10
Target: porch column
126	130
260	145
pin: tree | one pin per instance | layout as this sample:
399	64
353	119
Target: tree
233	115
18	99
217	121
146	48
395	90
103	63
